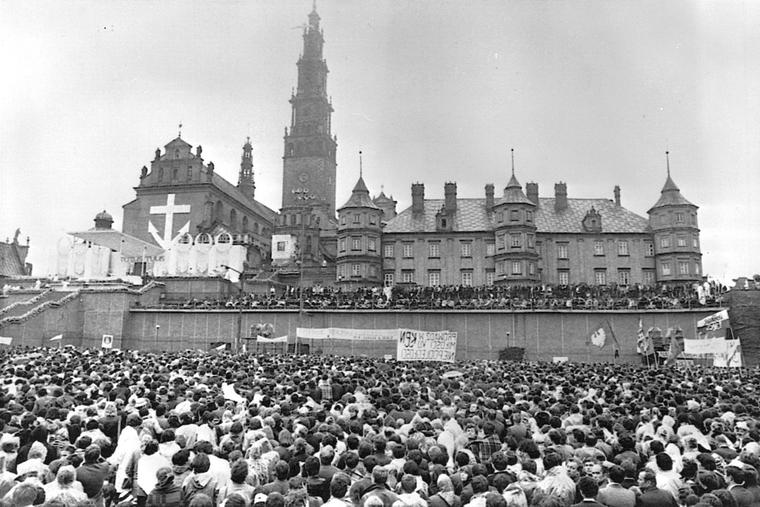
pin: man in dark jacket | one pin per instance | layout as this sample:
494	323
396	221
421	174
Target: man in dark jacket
651	495
92	473
166	493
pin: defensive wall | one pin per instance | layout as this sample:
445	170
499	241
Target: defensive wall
544	335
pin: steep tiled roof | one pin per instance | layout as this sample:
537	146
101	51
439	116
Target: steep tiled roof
671	195
471	216
10	263
614	218
233	191
359	197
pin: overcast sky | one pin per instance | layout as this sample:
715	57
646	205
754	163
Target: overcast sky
587	92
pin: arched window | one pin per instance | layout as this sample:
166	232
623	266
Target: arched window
186	239
224	239
245	224
203	239
160	174
233	219
218	210
176	153
256	227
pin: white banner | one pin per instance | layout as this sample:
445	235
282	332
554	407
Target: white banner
713	321
264	339
708	346
416	345
5	340
731	358
107	341
338	333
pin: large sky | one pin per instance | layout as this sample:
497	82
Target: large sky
587	92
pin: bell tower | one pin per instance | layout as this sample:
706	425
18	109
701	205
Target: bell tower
309	164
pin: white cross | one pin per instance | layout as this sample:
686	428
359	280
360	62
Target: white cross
169	210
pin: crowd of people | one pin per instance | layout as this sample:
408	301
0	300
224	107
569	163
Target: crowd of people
125	428
459	297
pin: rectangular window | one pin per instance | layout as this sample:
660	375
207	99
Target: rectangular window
500	239
562	251
600	276
189	174
665	242
343	220
695	242
624	276
679	218
408	250
342	244
490	275
281	246
357	218
681	241
372	219
372	244
563	277
434	278
467	278
490	248
407	276
696	268
514	215
515	240
648	276
622	248
665	268
683	268
388	279
388	250
356	269
648	248
598	247
528	216
539	247
500	216
516	268
531	241
532	268
356	243
500	268
466	247
434	249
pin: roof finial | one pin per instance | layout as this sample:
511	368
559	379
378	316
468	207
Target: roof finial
314	5
512	150
667	161
179	133
361	170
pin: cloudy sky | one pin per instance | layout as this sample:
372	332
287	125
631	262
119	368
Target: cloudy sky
591	93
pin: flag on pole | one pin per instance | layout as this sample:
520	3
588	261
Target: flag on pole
5	340
56	338
676	345
601	335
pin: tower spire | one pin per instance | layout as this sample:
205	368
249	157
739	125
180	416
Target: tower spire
179	130
512	151
361	171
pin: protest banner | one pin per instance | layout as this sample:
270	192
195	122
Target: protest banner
414	345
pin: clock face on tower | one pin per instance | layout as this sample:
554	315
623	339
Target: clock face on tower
303	177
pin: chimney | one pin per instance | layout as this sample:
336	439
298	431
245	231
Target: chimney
531	190
418	198
617	195
450	195
489	196
560	196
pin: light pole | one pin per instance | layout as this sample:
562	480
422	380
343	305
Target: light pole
239	334
304	197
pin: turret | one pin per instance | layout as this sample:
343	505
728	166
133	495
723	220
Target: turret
673	221
245	179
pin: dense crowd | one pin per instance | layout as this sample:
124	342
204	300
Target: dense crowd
580	297
95	428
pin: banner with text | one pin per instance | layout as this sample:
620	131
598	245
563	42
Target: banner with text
339	333
416	345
